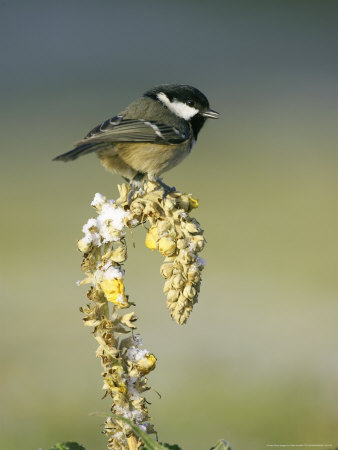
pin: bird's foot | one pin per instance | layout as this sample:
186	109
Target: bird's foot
167	189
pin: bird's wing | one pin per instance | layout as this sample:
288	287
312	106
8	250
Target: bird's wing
118	129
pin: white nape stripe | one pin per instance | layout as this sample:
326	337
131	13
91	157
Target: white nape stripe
155	128
179	108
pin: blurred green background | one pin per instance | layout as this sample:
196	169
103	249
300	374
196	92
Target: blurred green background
257	362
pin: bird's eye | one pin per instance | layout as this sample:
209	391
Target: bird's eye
190	102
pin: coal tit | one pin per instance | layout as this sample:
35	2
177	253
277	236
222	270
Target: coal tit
152	135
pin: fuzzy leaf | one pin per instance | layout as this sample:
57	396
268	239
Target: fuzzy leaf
67	446
171	447
150	444
221	445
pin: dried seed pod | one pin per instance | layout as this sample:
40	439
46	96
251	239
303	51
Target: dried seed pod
167	246
128	320
182	243
150	209
178	281
192	228
186	257
193	274
164	226
136	208
124	190
119	255
189	291
198	242
166	270
167	286
169	204
172	295
183	202
88	263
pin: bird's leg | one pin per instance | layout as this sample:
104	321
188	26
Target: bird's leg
167	189
136	184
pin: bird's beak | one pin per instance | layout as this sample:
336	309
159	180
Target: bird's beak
211	114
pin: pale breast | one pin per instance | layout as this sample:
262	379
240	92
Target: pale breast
153	158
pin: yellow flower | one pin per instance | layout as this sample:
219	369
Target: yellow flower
146	364
114	292
193	203
152	238
84	246
167	246
110	384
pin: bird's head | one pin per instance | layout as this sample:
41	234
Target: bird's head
185	101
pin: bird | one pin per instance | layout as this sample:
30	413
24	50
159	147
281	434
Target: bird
150	136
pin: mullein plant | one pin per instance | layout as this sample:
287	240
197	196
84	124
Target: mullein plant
126	363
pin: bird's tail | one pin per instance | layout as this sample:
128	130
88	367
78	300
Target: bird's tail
79	150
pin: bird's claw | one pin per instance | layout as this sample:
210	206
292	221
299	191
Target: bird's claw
167	191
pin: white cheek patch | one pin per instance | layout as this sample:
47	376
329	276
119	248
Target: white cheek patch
179	108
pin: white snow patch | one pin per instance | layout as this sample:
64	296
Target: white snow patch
112	272
120	299
98	199
91	236
137	340
110	216
135	354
